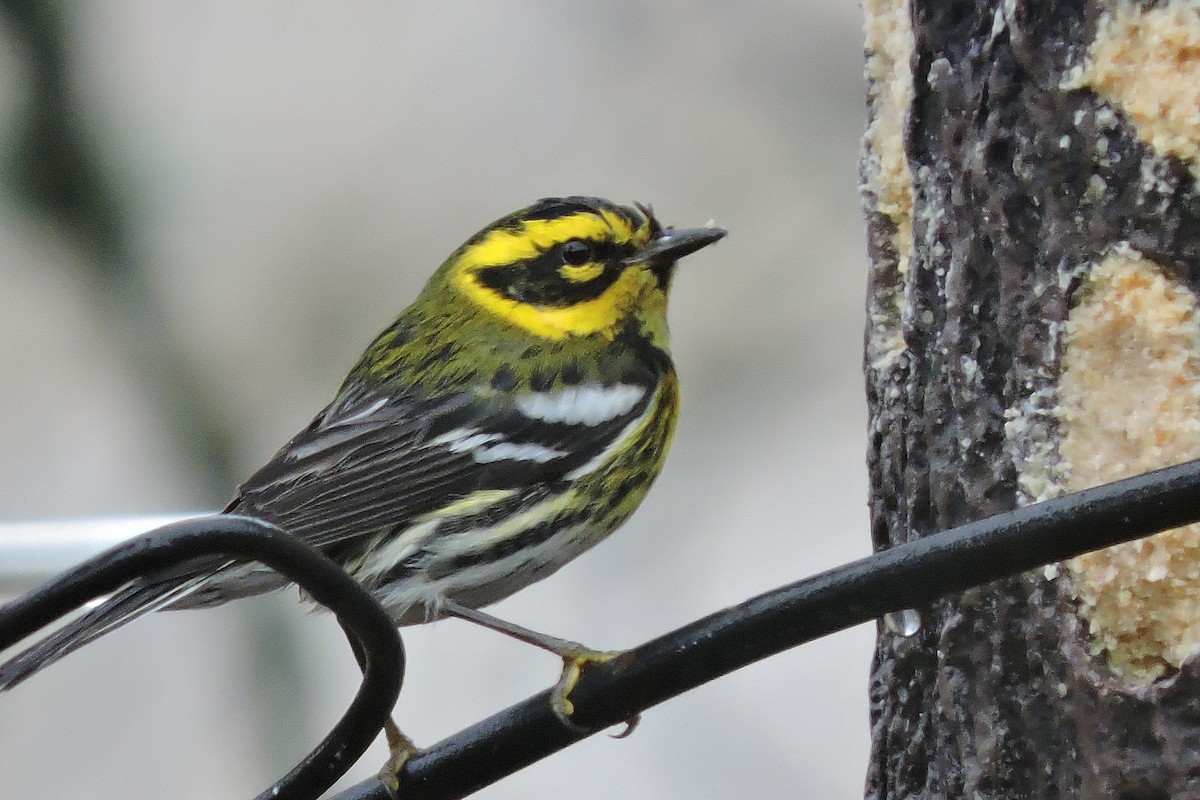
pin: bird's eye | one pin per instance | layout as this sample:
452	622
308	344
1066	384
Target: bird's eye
576	252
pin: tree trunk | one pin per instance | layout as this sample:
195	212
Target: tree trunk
1030	180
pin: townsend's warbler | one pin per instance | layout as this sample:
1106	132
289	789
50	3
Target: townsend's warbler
508	420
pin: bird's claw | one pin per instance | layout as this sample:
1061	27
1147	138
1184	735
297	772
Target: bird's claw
630	726
574	662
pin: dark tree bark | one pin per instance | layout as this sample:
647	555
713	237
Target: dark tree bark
1030	184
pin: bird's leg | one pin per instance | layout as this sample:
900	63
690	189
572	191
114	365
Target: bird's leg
574	655
400	747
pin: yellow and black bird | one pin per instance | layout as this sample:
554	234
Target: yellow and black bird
507	421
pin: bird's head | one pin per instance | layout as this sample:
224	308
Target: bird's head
572	267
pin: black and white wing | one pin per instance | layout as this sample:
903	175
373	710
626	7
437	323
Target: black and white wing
370	467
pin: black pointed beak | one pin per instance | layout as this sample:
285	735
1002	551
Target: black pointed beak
672	244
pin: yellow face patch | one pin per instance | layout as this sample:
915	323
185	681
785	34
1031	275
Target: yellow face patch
505	246
599	315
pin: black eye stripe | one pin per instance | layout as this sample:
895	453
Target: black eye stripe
538	280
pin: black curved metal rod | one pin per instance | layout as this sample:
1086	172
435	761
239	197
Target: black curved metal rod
903	577
255	540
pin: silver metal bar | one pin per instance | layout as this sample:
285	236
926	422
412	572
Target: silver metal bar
32	552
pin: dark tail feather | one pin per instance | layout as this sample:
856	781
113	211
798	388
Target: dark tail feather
125	606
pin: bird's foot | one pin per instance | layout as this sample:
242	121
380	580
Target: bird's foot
576	658
400	750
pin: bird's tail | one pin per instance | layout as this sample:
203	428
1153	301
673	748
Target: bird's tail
120	608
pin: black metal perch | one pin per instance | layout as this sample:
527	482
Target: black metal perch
254	540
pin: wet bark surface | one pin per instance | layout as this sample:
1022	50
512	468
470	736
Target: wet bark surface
996	695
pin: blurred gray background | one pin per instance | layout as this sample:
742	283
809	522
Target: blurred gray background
276	182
